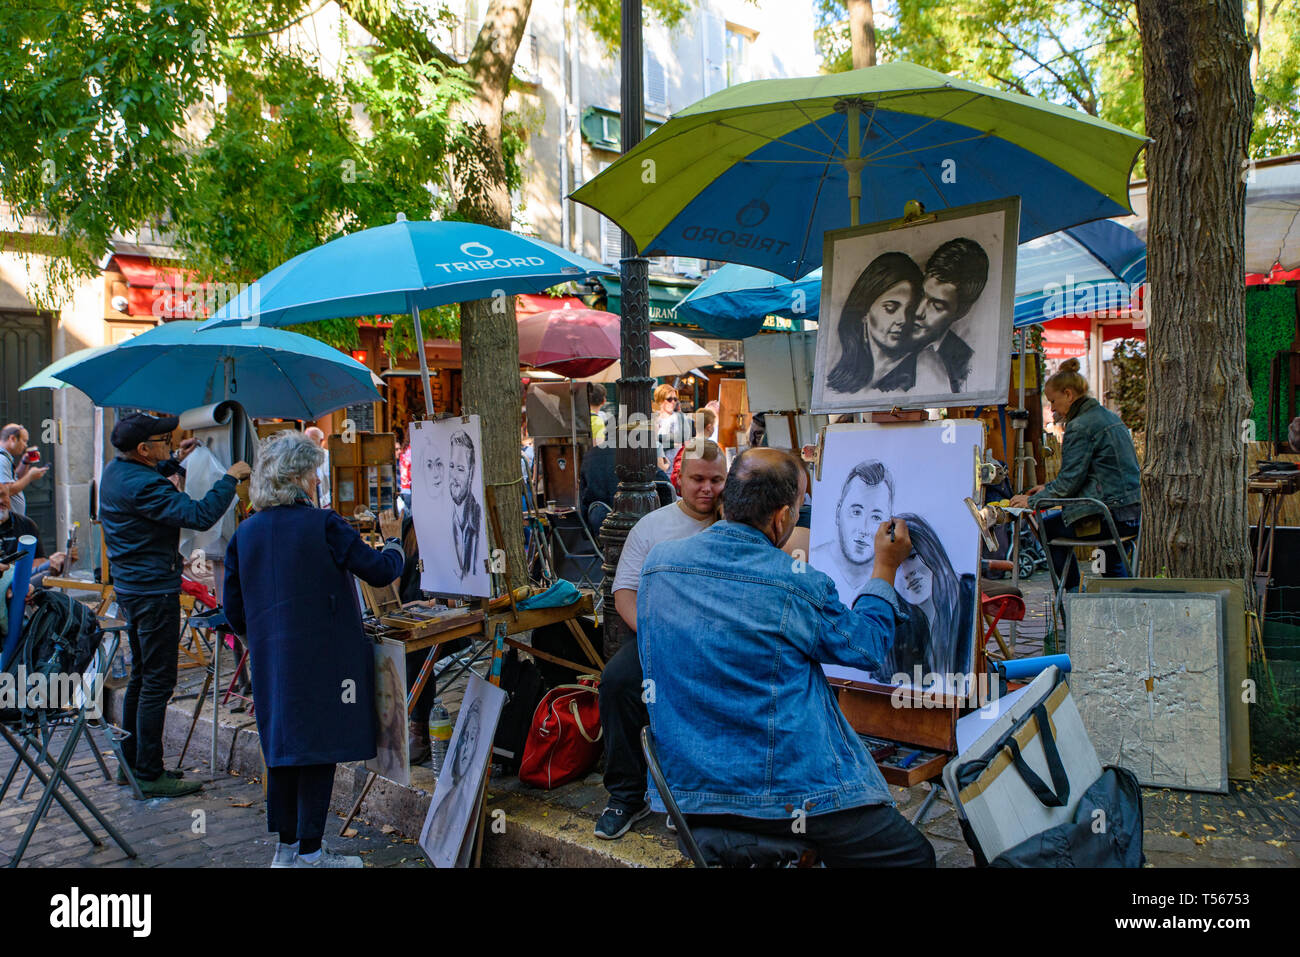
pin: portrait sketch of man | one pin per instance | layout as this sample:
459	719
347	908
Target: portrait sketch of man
467	514
447	507
918	473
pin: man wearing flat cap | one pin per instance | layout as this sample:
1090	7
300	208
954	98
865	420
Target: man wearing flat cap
142	514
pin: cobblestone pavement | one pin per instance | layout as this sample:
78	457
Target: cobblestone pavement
224	825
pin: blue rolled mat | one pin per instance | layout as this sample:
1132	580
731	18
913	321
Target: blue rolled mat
1020	668
22	577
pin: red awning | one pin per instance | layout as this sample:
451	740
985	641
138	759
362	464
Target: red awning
161	291
528	305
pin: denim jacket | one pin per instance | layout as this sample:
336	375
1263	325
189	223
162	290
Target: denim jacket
1097	461
732	632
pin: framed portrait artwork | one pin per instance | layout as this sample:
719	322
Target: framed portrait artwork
918	316
918	472
447	506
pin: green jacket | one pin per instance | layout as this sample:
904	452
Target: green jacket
1097	461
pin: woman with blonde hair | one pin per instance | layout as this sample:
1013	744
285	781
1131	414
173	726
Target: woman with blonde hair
1097	461
290	596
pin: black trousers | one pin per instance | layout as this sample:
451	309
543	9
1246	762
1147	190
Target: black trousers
154	634
622	716
297	803
1055	528
872	836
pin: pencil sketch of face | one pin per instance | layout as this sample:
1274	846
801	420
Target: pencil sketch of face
435	471
863	506
915	580
468	745
461	472
391	705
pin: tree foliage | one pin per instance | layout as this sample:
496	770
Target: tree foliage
1082	53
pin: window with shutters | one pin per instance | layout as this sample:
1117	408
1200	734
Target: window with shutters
715	52
740	41
656	84
611	237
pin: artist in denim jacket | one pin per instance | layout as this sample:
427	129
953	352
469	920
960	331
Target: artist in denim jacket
1097	461
732	635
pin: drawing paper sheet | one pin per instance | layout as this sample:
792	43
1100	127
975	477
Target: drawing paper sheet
919	472
449	825
447	506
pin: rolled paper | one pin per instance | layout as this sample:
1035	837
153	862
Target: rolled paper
1020	668
22	577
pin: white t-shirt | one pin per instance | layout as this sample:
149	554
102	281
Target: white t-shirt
665	524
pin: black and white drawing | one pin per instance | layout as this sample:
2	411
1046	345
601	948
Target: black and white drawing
918	316
447	507
918	473
392	746
450	821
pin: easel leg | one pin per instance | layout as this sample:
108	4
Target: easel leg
356	805
919	817
585	643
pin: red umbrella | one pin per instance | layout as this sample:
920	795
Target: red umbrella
572	342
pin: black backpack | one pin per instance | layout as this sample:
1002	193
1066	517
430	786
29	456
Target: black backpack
60	636
524	686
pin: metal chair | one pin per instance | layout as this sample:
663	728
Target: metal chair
575	551
724	847
1126	547
30	734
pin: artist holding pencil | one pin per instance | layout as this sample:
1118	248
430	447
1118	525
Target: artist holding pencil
290	595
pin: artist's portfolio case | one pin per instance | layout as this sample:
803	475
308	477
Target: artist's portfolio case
1030	791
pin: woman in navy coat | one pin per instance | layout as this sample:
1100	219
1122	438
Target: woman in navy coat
290	595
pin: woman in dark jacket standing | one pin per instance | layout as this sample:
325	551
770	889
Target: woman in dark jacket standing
290	595
1097	461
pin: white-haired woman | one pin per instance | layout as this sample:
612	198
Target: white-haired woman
289	594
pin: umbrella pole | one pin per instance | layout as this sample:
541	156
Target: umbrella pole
424	362
573	444
853	164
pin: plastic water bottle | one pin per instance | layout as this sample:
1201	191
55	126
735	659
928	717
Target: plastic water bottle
439	734
119	669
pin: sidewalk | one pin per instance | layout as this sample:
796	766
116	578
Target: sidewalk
1257	824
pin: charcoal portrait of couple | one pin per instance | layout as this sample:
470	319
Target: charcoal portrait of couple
916	317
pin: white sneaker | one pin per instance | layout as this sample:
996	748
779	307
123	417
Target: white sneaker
329	859
285	855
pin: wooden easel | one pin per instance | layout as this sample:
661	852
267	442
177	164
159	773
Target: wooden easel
915	741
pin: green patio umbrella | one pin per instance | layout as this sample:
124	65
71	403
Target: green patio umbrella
757	173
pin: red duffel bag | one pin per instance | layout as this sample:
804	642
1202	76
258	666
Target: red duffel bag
564	739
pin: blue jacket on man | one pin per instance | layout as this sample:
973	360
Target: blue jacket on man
143	515
732	633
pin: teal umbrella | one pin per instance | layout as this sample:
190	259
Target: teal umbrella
272	373
402	268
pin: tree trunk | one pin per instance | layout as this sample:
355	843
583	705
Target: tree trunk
1198	101
488	333
862	33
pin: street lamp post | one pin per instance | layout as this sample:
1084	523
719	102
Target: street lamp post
635	455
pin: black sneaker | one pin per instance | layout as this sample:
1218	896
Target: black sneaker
614	822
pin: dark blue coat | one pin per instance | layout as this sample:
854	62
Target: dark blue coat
290	594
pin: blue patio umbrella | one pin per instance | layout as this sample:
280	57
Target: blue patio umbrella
171	368
734	301
1081	269
48	378
402	268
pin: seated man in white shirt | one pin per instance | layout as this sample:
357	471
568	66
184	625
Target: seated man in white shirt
622	710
